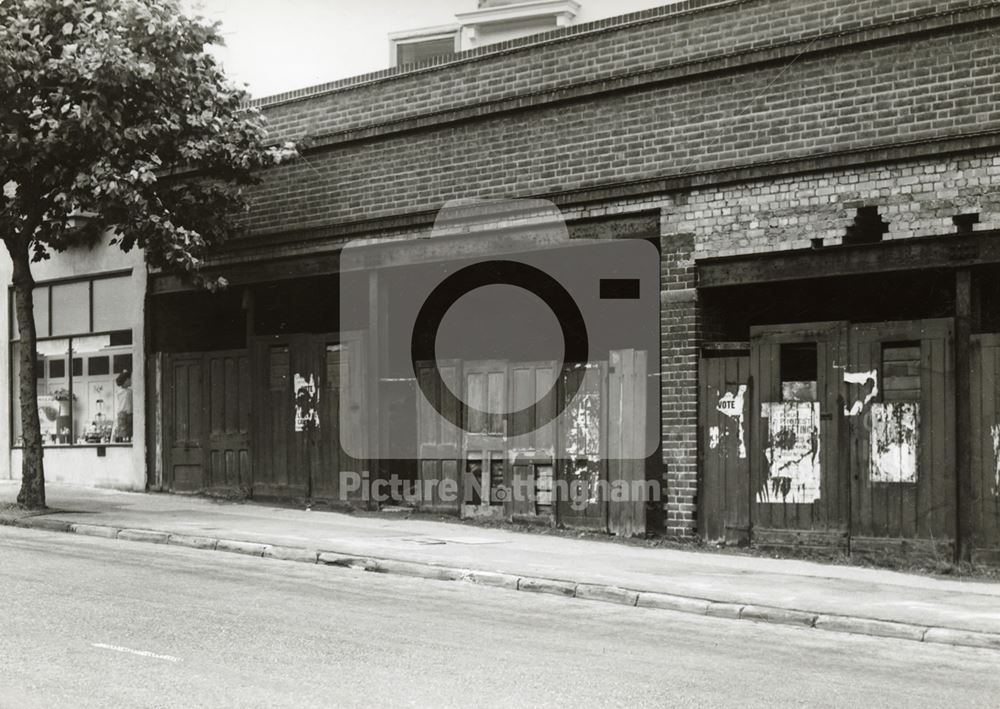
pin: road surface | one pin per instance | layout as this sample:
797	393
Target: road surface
105	623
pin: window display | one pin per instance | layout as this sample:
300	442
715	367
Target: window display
84	381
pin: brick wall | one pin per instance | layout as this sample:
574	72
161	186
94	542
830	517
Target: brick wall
916	198
911	90
679	373
671	36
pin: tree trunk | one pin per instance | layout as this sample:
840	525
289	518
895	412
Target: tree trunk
32	494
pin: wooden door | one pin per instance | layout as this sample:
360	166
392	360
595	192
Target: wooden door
902	435
531	442
206	415
184	434
299	426
986	447
439	442
287	368
798	480
581	448
228	394
724	415
484	446
626	442
903	454
339	432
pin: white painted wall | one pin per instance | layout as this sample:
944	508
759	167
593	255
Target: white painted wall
124	467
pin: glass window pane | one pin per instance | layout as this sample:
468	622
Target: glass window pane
55	404
121	363
41	300
57	369
98	366
112	308
70	308
105	393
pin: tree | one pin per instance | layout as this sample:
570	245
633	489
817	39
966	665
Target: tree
113	109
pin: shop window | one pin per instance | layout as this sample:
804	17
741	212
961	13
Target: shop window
84	373
799	371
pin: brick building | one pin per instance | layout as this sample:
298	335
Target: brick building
822	182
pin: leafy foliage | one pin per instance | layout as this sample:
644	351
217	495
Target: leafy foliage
113	109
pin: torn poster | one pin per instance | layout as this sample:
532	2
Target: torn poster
306	395
861	379
995	430
713	437
792	450
895	440
583	415
732	405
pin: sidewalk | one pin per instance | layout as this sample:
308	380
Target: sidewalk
730	581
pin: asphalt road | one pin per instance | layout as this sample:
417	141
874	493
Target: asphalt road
103	623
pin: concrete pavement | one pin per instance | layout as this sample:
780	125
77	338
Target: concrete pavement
100	623
833	597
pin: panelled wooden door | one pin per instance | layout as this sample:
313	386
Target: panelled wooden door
299	423
798	437
341	439
229	392
903	435
207	421
439	444
278	451
986	447
531	443
484	445
183	435
724	403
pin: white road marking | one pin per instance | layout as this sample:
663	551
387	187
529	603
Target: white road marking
140	653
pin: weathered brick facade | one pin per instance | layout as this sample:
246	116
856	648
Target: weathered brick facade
751	125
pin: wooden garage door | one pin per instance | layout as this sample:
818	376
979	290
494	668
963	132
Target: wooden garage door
902	425
798	480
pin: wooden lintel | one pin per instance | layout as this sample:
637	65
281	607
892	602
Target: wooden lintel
741	346
959	251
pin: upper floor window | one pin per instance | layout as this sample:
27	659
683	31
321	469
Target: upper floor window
418	46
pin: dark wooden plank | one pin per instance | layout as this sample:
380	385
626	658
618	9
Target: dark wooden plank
963	412
884	257
710	524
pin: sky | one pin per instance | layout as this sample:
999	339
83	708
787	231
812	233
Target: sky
274	46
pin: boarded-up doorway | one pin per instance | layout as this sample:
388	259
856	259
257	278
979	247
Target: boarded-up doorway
300	434
799	490
901	414
724	408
